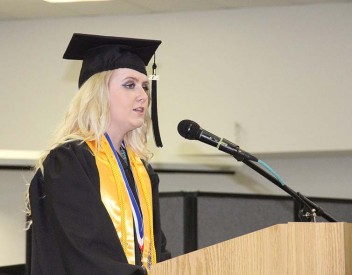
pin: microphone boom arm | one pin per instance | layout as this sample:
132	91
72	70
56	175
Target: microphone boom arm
191	130
298	197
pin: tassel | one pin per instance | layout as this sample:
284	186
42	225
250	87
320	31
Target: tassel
154	108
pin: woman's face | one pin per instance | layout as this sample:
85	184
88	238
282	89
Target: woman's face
128	91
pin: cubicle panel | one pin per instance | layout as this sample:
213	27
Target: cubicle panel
223	217
172	221
216	217
339	209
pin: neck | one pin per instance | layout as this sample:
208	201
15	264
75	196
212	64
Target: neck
116	140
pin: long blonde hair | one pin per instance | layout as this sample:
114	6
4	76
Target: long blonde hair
88	118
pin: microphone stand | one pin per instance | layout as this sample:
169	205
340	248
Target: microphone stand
308	209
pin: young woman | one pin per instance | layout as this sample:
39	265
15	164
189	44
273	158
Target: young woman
94	198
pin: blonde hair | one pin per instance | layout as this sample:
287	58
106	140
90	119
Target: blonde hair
88	118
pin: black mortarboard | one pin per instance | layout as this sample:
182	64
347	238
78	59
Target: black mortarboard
102	53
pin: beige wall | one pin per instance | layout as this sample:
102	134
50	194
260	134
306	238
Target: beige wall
269	79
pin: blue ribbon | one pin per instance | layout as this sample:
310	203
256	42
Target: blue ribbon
137	216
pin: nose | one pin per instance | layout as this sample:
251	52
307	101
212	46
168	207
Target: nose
142	96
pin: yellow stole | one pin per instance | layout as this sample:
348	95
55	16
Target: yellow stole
114	195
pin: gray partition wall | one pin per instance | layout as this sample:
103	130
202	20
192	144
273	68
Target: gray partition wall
193	220
172	221
222	218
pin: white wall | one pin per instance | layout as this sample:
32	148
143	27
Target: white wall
273	80
313	175
270	79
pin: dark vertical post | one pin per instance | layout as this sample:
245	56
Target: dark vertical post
190	222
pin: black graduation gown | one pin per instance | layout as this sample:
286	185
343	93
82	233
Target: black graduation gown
72	232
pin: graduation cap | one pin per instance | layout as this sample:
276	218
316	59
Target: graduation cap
102	53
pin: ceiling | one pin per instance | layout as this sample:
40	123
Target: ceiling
36	9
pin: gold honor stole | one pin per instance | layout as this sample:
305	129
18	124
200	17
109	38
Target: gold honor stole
115	197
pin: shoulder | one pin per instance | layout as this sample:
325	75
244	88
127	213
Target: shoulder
154	177
73	149
70	155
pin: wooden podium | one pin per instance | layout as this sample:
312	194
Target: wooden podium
293	248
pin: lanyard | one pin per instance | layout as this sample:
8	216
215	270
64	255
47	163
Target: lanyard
137	216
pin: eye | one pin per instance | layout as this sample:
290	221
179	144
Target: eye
146	88
129	85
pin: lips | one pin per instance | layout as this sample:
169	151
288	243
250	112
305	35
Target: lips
139	109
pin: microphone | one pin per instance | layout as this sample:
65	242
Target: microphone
191	130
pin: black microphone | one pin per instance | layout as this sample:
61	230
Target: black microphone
191	130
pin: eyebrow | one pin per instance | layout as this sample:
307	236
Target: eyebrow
135	79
